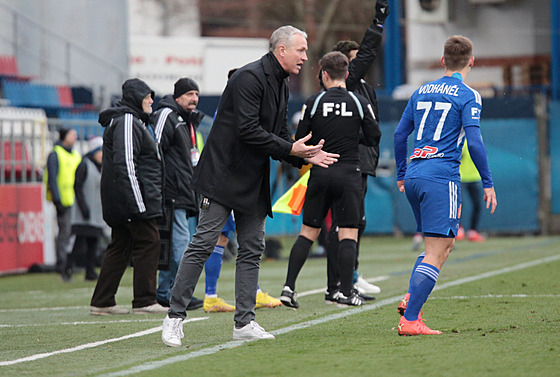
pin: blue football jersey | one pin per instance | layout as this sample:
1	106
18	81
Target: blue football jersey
440	110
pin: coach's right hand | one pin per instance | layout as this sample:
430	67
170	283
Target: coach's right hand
299	149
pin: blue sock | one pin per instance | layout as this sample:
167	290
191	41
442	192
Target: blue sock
418	261
422	282
212	268
355	277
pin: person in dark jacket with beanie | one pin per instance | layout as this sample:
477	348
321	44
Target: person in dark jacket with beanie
175	122
131	197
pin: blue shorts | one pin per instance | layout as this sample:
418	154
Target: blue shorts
436	206
230	225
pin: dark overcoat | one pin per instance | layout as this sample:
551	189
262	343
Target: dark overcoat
250	127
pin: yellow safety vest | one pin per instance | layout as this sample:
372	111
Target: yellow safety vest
67	165
199	141
468	170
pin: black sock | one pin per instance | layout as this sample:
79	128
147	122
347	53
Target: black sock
346	261
298	256
333	276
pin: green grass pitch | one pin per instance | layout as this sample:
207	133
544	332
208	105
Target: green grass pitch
497	303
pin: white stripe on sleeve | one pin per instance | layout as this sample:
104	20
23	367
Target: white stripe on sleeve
128	155
161	123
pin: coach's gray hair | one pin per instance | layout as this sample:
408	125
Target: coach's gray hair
282	35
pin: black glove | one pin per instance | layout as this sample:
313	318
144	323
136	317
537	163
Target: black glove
196	118
381	11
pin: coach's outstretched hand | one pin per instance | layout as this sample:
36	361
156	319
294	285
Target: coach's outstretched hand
313	153
323	159
300	149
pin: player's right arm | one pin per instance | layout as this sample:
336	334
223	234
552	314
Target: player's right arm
477	150
471	124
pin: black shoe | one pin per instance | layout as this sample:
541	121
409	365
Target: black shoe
91	276
352	300
288	298
162	302
364	296
195	304
66	275
331	297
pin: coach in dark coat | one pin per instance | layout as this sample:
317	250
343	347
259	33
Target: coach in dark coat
233	174
250	126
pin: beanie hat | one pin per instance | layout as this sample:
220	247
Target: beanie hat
62	133
95	144
184	85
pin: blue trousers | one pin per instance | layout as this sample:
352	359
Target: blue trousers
179	242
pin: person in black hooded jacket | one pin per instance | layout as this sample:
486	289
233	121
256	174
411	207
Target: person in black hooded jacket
131	198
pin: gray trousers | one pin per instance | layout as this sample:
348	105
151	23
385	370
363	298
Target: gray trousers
64	240
250	236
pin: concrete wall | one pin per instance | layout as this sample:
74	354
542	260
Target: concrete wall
510	29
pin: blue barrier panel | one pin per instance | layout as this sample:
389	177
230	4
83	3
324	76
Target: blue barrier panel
512	152
554	132
513	157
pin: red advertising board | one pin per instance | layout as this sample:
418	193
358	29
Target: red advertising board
21	226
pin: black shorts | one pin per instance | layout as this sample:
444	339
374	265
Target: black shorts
339	186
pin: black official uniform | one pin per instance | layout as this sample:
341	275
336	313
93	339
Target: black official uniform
343	120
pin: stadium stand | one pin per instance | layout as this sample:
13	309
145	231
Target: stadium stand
65	98
8	66
21	100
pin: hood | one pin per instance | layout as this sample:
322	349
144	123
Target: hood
133	93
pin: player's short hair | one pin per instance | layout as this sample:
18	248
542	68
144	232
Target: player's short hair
283	36
346	46
335	64
457	52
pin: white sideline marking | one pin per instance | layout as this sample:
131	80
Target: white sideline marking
83	323
490	296
322	290
88	345
211	350
43	309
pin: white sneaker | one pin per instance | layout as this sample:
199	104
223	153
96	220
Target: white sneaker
172	332
364	287
251	331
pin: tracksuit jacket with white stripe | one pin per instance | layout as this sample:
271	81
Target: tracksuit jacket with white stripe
172	128
132	174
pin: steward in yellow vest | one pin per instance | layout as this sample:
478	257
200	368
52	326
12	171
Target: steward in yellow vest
61	171
60	175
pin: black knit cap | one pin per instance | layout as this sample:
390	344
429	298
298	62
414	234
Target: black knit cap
184	85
